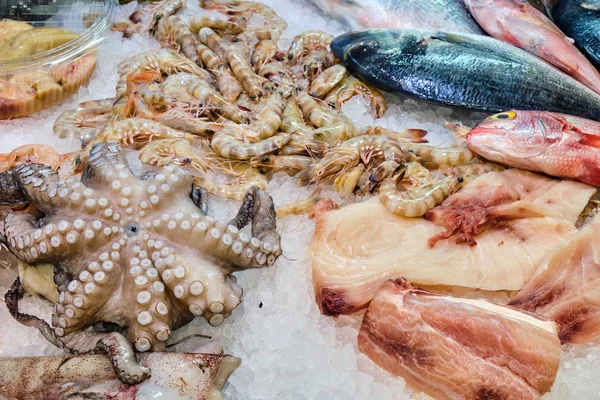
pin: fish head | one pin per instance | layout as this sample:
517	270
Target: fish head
509	135
358	42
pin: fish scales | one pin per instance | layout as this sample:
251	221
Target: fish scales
446	15
462	70
580	20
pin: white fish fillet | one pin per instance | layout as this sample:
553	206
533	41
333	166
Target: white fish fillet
358	247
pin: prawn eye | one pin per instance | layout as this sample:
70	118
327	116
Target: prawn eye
265	159
460	179
505	115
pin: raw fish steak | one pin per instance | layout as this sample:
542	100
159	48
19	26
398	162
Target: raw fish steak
565	288
358	247
453	348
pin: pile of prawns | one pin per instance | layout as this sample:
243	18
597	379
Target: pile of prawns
221	98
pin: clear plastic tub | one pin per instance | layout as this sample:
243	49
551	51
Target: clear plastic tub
31	83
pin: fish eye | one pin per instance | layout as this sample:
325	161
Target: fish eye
505	115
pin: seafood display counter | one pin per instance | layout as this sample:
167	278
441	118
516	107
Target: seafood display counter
229	199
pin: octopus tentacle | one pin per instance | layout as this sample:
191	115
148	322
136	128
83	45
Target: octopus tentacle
12	297
118	349
103	164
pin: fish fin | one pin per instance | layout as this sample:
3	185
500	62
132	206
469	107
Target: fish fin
587	139
508	37
590	140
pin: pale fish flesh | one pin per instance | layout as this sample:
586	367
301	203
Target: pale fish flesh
454	348
459	69
444	15
508	195
175	376
565	287
356	248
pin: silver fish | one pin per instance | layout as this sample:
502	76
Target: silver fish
444	15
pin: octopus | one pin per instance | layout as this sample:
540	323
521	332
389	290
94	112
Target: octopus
135	257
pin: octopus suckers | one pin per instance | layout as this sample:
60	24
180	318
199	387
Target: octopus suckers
162	308
126	191
116	185
260	258
135	270
151	189
216	307
163	335
142	344
140	280
196	288
185	225
79	224
72	286
152	272
103	256
63	226
216	320
99	276
143	297
145	263
89	288
85	276
180	272
196	309
144	318
172	225
215	233
107	265
179	291
154	199
237	247
78	302
158	286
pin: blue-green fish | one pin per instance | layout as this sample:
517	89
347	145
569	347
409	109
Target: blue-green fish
472	71
580	20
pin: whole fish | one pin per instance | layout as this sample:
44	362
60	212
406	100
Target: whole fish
556	144
444	15
472	71
580	20
520	24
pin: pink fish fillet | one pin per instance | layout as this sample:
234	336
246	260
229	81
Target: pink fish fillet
454	348
520	24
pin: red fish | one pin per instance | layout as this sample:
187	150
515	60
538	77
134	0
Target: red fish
520	24
556	144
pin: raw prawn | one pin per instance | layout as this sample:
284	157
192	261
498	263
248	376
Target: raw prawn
327	80
363	149
313	206
228	85
254	85
229	142
177	151
237	186
456	154
403	136
188	86
139	132
28	154
291	165
172	30
161	61
265	52
349	87
84	121
234	28
163	10
335	127
416	200
268	119
307	41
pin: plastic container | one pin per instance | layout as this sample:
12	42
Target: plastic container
35	82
